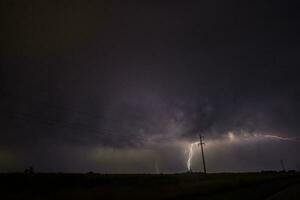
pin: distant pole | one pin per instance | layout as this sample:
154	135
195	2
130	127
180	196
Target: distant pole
202	152
282	165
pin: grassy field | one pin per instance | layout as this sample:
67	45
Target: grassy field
146	186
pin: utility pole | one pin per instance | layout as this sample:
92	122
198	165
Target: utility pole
282	165
203	159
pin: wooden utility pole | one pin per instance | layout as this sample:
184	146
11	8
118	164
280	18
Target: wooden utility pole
203	159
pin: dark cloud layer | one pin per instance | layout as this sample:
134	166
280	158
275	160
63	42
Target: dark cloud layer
121	74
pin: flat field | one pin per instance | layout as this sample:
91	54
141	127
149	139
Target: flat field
242	186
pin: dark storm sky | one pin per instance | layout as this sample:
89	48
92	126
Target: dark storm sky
129	77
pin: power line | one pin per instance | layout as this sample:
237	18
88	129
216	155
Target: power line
47	105
68	109
52	122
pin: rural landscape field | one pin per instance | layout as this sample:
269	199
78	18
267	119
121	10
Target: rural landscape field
265	185
149	100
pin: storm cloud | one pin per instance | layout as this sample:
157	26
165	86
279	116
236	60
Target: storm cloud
130	84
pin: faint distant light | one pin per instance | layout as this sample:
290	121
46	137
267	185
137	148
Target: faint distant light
231	136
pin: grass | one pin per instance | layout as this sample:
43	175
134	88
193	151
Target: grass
145	186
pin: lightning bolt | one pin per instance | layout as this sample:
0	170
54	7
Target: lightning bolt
280	138
191	152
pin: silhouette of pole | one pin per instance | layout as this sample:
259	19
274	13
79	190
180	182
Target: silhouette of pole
202	152
282	165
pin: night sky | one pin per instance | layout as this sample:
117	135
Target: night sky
126	86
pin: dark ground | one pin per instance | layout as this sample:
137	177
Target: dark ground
266	185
